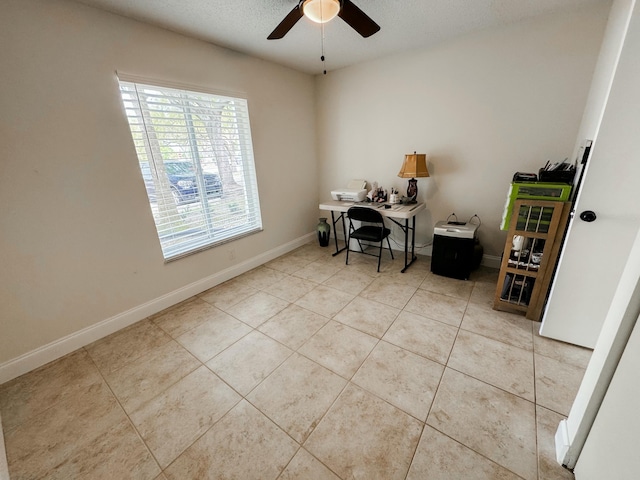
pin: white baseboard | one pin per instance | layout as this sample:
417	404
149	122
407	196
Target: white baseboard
42	355
491	261
562	442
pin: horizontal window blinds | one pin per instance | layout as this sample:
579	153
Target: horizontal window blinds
196	159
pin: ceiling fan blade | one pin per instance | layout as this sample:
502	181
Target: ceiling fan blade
287	24
357	19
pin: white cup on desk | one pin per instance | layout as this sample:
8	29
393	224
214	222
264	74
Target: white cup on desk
393	198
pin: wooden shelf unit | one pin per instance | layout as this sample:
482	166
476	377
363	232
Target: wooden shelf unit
525	275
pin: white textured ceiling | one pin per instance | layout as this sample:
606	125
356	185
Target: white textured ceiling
243	25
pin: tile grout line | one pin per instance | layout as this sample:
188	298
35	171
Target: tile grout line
535	399
351	382
473	450
135	429
295	352
201	364
446	366
348	382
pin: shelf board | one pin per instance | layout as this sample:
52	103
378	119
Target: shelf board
522	271
524	233
507	305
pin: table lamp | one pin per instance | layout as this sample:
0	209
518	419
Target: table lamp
414	165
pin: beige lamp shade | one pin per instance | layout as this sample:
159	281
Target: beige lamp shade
414	165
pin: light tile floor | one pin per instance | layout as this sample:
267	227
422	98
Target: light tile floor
305	368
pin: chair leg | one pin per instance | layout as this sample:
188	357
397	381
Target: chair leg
390	251
380	254
348	240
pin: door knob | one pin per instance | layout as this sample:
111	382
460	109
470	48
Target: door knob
588	216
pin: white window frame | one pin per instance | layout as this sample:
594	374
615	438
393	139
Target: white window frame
185	137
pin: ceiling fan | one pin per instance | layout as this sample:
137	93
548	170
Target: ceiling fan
321	11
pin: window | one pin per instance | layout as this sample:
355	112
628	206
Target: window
196	159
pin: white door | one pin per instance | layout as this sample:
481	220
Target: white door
595	253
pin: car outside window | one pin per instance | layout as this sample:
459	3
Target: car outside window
195	155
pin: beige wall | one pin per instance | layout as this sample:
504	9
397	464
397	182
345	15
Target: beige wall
78	244
482	107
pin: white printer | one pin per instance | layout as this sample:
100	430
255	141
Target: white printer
355	191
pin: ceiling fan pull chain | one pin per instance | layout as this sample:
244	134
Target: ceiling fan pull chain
324	70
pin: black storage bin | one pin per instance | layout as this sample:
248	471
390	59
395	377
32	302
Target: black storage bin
455	250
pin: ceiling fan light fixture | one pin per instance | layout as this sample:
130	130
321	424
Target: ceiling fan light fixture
321	11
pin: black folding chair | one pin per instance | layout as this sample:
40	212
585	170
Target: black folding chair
374	231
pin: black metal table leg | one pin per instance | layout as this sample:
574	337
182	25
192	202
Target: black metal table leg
406	243
405	228
335	231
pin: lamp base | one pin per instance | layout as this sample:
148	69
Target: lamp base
412	188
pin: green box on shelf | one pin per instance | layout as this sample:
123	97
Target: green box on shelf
559	192
534	219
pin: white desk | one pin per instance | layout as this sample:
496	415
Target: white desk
395	213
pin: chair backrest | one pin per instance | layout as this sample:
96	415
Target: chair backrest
365	214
